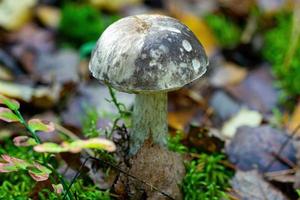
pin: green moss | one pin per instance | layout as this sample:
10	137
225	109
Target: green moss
82	23
226	31
206	178
276	45
19	185
174	143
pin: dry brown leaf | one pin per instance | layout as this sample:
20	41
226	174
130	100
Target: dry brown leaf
199	28
48	15
295	120
230	74
179	119
251	185
14	14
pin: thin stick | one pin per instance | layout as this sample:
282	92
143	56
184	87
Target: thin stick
75	177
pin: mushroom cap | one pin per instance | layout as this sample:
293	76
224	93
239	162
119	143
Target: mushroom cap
148	53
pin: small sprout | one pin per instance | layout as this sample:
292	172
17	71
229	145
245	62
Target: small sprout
76	146
10	103
7	115
39	125
24	141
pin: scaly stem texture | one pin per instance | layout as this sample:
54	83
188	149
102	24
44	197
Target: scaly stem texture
149	120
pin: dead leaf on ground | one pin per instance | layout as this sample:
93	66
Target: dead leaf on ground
257	90
244	117
14	14
258	148
295	120
202	138
229	74
48	15
198	27
250	185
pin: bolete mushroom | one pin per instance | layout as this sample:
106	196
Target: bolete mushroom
148	55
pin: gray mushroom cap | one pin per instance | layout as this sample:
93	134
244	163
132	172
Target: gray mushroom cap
148	53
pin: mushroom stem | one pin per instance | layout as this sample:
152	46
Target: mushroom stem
149	120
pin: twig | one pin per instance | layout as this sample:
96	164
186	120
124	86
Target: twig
132	176
75	177
282	148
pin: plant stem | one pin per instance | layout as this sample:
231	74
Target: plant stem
38	140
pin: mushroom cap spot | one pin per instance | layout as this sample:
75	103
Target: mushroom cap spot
186	45
148	53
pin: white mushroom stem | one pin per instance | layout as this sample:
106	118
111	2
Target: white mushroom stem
149	120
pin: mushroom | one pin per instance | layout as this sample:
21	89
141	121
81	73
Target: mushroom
148	55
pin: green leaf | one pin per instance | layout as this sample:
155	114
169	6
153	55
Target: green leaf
36	171
39	172
77	146
7	115
39	125
49	147
10	103
24	141
95	143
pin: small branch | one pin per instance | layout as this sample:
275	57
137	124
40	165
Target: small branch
75	177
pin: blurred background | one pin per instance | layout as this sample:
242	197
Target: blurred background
253	78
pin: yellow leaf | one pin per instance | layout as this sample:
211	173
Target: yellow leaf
200	29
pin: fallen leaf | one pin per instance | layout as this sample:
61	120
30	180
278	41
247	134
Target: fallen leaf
76	146
43	97
48	15
39	125
204	139
199	28
295	119
7	115
60	67
251	185
5	74
15	14
257	90
35	170
179	119
223	105
24	141
244	117
229	74
113	5
258	148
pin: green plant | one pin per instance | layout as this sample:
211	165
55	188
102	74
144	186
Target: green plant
226	31
82	23
80	191
89	122
40	169
206	178
283	52
174	143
